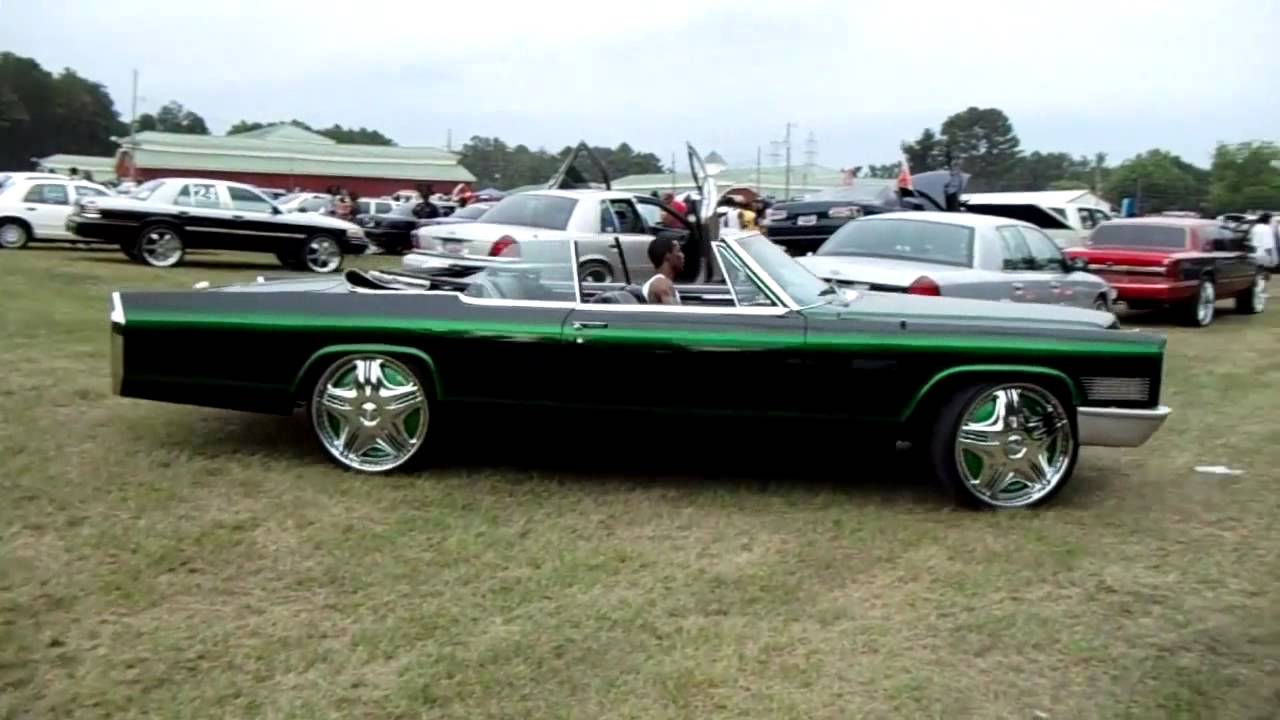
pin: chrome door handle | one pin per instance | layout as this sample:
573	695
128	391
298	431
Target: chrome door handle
30	209
1017	286
1055	285
184	213
589	325
237	217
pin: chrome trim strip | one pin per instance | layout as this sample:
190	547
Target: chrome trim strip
721	252
684	309
505	302
1137	269
117	309
577	279
1118	427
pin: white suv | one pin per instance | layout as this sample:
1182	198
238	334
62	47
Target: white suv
35	206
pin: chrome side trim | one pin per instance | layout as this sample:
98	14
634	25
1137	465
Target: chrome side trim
1132	269
117	309
1118	427
683	309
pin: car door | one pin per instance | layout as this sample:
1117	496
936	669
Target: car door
1051	278
254	226
205	216
1234	263
46	206
1017	267
687	358
633	233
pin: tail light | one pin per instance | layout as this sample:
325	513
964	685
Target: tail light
505	246
924	285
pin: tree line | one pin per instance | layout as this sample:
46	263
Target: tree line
42	113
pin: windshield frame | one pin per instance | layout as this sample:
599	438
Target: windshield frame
797	295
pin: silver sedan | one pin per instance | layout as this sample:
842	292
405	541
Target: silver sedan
956	254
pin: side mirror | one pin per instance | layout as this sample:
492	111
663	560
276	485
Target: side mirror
1077	264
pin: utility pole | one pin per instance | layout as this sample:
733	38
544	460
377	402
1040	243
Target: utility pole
673	173
810	157
133	130
448	139
786	141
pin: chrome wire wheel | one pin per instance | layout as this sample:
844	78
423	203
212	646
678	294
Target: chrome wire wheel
370	412
1260	292
1014	445
160	247
12	236
322	254
1205	303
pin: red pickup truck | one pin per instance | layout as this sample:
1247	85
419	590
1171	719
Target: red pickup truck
1187	264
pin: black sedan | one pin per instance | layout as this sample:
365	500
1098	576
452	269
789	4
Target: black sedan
392	231
803	225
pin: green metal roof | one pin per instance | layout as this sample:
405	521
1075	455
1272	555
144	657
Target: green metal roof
103	168
288	153
286	132
771	180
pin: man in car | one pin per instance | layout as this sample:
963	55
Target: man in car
668	259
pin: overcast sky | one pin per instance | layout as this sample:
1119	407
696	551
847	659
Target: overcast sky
1119	76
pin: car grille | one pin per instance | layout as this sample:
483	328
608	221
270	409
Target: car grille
1117	388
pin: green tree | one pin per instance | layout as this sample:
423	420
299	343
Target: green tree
926	153
982	142
1244	177
173	118
337	133
42	114
1068	185
1158	180
493	162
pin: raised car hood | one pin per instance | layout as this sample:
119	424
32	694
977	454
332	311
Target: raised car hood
985	314
875	271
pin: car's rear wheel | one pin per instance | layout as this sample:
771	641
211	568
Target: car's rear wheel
321	254
14	235
1200	312
370	412
1254	300
1004	445
160	246
595	271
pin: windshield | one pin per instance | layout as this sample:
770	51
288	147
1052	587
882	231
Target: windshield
803	286
533	210
1134	235
471	212
146	189
914	240
860	191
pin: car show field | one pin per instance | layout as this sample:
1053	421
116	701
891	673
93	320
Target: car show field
173	561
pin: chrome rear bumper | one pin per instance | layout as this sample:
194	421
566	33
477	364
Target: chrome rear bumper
1118	427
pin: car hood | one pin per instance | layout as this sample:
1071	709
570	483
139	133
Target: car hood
900	307
489	231
877	271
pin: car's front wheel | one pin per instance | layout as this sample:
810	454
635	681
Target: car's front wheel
1004	445
320	254
14	235
160	246
1254	300
370	412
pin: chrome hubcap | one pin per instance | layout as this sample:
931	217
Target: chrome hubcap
12	235
370	412
161	247
323	255
596	275
1204	308
1014	445
1260	293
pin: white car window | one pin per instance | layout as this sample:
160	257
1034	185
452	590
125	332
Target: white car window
248	200
382	207
198	195
1087	221
48	194
89	191
1044	251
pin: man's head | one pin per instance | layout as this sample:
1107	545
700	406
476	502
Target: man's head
666	251
668	197
1264	218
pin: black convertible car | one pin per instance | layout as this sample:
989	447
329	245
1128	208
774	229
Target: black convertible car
802	226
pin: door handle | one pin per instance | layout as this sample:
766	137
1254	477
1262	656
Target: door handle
589	325
237	217
1055	285
1018	286
30	209
184	213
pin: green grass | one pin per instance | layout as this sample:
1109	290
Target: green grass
169	561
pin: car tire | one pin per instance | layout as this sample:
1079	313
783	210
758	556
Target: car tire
1254	300
370	412
1004	445
320	254
595	271
14	234
160	246
1100	304
130	251
1200	311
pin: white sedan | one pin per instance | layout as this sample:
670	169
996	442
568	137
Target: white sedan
35	206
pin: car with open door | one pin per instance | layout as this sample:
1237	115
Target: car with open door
600	219
998	397
1184	264
957	254
164	218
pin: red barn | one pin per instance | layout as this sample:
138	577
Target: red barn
288	157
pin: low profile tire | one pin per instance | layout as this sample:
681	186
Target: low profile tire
160	246
1004	445
14	235
370	412
595	271
320	254
1200	312
1254	300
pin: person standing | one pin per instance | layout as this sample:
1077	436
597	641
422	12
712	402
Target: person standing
1263	238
